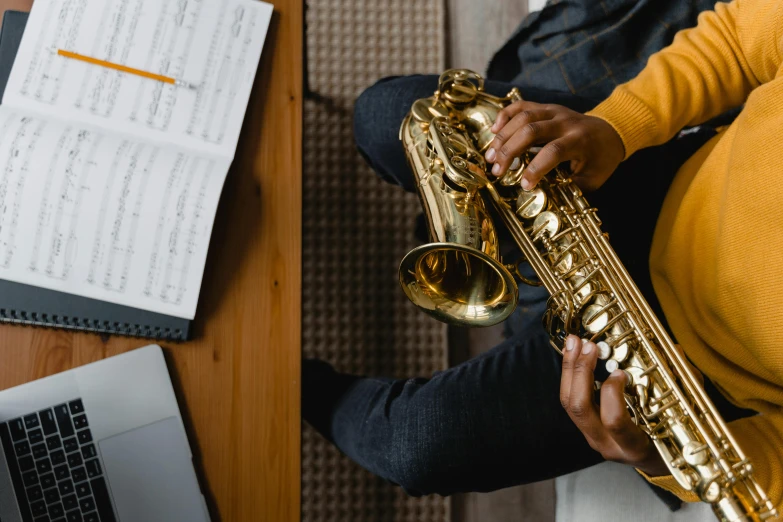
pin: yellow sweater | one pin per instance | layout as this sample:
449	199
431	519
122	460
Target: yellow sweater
717	253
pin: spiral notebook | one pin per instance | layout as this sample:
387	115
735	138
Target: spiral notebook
110	180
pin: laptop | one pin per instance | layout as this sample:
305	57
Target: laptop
103	442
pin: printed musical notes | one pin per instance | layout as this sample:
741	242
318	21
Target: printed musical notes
109	182
103	215
212	44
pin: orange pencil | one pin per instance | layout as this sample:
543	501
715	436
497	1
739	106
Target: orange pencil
126	69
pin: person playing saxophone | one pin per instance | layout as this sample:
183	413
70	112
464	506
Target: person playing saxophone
696	218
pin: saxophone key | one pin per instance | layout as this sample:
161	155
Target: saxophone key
581	287
531	203
620	353
604	350
695	454
546	225
638	378
595	318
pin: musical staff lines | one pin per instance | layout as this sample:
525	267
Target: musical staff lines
114	42
44	213
227	61
177	234
177	24
110	180
45	72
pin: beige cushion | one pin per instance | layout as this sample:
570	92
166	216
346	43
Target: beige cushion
612	491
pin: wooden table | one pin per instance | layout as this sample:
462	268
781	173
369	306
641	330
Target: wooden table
238	380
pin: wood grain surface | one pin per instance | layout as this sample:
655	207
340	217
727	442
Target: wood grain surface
238	380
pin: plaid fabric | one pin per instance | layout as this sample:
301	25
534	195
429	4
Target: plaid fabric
587	47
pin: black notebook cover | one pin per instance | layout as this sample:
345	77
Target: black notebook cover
25	304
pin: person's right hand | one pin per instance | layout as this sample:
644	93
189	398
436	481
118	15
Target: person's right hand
591	145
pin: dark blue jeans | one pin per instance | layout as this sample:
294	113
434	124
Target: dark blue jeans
494	421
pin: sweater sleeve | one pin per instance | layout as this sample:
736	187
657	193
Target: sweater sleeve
761	439
706	70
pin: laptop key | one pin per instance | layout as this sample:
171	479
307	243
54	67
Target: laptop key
76	407
53	442
88	451
70	444
31	421
38	508
70	502
39	451
66	487
63	420
34	493
80	422
16	427
44	519
73	516
30	478
87	504
75	460
26	463
21	448
43	466
58	457
51	495
35	436
83	489
85	436
56	510
48	423
93	468
79	475
47	481
102	499
91	517
61	472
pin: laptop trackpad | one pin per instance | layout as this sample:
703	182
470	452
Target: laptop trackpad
151	476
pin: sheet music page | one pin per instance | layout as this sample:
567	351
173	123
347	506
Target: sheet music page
213	44
102	215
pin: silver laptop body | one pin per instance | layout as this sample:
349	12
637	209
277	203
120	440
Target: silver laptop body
103	442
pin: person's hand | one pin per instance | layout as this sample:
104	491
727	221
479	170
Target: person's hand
592	146
608	429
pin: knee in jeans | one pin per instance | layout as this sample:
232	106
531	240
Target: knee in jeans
417	470
370	111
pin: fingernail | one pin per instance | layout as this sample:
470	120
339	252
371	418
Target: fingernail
526	185
491	155
587	348
570	343
496	169
494	128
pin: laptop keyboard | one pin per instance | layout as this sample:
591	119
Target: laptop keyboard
55	468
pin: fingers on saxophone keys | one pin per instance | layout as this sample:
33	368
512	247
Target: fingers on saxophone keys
540	130
573	346
553	154
615	416
577	395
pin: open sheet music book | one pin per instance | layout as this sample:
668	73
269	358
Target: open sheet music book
109	181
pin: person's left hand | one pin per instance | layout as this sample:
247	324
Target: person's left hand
608	429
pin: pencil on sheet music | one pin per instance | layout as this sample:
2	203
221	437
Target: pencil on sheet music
123	68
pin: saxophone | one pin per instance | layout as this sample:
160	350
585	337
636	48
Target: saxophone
460	278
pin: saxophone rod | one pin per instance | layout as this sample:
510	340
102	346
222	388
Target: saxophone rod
668	345
718	426
525	243
610	259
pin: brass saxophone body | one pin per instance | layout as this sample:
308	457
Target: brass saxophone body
460	278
